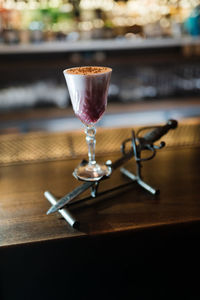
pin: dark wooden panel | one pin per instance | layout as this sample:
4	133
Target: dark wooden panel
23	208
131	245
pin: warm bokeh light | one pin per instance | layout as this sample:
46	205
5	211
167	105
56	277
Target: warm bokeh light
94	18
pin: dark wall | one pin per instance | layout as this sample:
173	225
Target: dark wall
160	263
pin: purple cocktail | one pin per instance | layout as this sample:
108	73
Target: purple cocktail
88	89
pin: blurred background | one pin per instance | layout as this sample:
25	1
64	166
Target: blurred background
153	47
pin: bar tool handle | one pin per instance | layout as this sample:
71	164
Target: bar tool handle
158	132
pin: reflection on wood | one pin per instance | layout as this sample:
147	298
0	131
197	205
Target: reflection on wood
175	170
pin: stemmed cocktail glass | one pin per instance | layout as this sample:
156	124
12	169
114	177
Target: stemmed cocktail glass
88	89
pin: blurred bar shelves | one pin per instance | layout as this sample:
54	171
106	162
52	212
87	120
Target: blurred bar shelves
99	45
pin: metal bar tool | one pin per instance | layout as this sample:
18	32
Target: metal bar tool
135	144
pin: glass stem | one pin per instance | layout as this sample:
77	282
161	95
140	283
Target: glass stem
91	141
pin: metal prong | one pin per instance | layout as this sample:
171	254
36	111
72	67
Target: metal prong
109	163
128	174
94	189
139	181
64	212
148	187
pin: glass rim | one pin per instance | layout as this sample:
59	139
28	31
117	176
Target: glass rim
95	74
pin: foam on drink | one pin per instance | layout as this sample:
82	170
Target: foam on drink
88	70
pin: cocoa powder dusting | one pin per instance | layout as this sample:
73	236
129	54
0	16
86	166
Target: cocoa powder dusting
88	70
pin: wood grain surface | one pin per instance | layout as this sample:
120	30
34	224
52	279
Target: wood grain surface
23	207
131	245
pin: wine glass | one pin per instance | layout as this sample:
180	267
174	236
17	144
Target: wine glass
88	89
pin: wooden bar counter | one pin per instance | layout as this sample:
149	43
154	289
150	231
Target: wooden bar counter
131	244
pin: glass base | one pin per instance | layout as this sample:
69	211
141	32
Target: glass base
91	172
